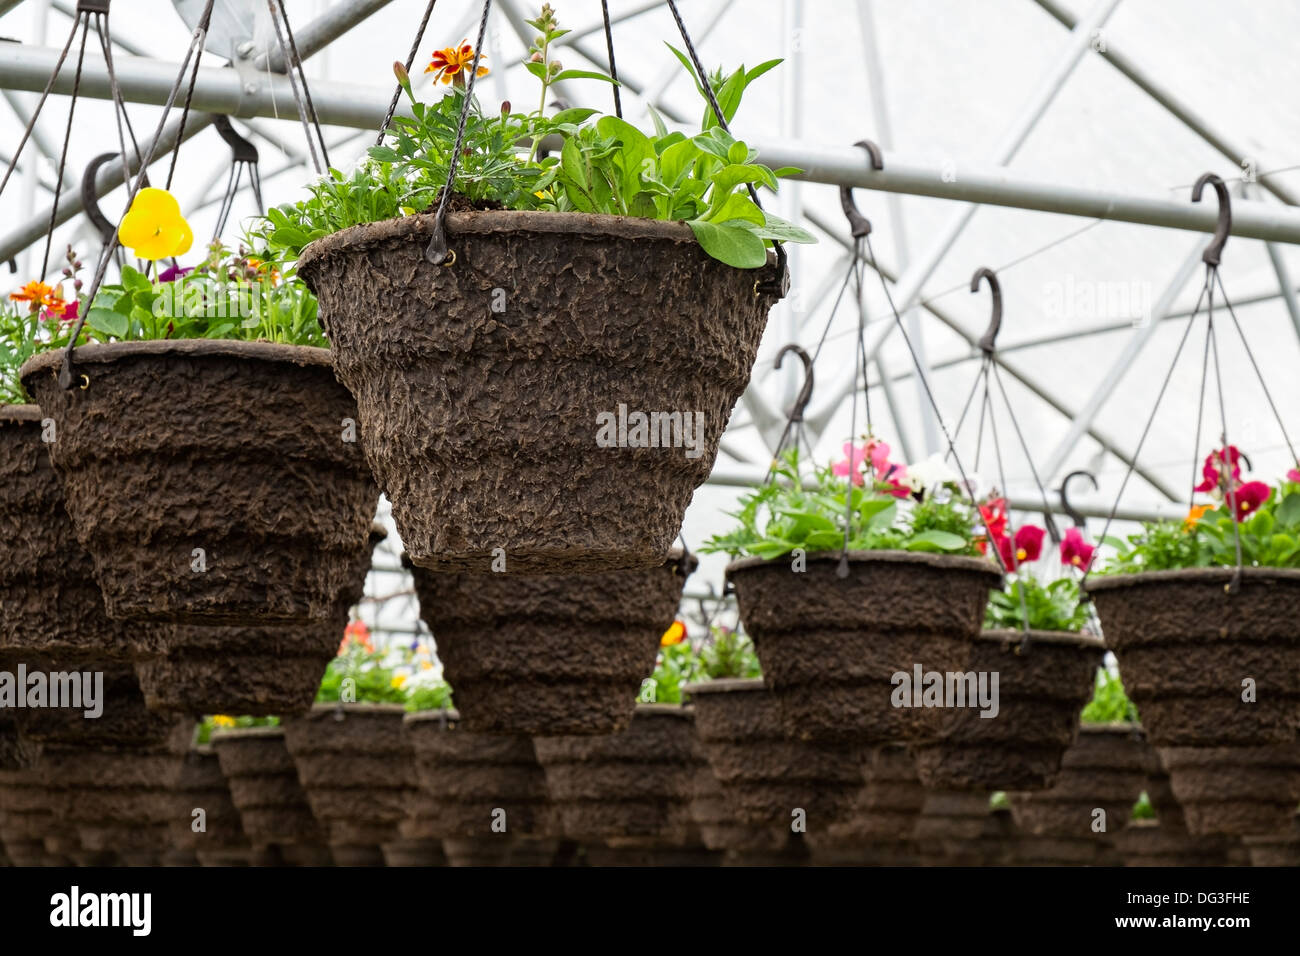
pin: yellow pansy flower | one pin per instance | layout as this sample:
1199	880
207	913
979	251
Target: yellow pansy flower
154	228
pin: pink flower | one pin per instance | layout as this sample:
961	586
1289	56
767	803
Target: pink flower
1213	472
1249	497
1075	551
1029	543
852	465
1293	475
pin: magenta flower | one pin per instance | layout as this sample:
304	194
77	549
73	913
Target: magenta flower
1249	497
1213	472
171	273
1075	551
855	456
1293	475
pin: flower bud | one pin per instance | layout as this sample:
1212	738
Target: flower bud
505	107
535	58
400	72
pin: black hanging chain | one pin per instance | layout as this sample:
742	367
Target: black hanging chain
67	139
780	285
437	251
410	62
67	378
298	84
189	92
613	68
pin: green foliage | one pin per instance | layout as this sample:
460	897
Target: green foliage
219	722
1109	703
1142	810
725	653
1051	607
435	695
783	514
22	335
371	681
605	165
1270	538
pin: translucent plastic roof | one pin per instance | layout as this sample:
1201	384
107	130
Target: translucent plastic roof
956	75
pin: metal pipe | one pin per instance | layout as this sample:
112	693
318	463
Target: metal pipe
7	5
112	174
1162	95
1120	367
321	32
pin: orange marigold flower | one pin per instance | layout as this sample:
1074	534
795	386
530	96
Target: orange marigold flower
40	296
675	634
356	632
452	63
1195	515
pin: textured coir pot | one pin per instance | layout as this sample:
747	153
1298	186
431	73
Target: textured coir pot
52	605
478	789
1235	790
884	813
742	844
26	818
205	821
256	670
771	780
1186	647
264	787
357	768
1279	849
1044	679
1105	769
550	654
118	798
1152	843
830	646
483	385
632	788
118	717
212	482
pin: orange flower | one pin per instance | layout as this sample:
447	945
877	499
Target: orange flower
675	634
41	296
452	63
356	632
1195	515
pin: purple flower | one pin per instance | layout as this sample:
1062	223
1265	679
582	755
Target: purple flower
171	273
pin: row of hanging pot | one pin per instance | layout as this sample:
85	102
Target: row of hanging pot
365	784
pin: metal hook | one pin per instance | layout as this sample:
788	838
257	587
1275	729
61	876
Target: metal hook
989	339
860	225
90	199
805	393
1214	250
1075	515
243	150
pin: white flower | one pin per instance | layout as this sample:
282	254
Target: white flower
930	473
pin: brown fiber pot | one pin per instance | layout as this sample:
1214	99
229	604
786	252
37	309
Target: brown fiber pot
479	382
766	776
264	787
885	811
632	788
255	670
1185	646
1235	790
26	817
118	798
1279	849
960	828
1151	843
830	646
1105	769
1042	687
550	654
358	771
213	482
471	785
51	602
216	834
125	721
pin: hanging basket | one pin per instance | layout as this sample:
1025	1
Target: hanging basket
1041	690
742	844
765	775
1279	849
1105	768
1237	791
200	784
1186	645
264	787
51	603
125	721
884	813
630	789
482	385
356	767
212	482
1151	843
550	654
829	646
26	818
959	828
476	787
254	670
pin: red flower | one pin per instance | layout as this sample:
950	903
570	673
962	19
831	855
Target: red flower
1249	497
1213	472
1075	551
1029	543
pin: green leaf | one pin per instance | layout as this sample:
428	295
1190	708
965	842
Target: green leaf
774	227
134	281
580	75
734	245
1288	511
108	321
737	207
936	541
